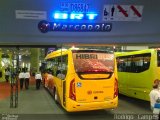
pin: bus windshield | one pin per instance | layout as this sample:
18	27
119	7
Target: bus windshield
93	62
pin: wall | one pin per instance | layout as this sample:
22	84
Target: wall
14	31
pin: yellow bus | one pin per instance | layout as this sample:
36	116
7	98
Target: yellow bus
137	71
83	79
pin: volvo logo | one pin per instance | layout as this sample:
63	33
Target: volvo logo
45	26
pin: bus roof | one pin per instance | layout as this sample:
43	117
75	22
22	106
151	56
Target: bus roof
56	53
65	51
134	52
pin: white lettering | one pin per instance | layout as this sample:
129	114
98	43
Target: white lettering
76	27
76	16
148	117
123	117
64	27
97	27
55	26
108	27
83	27
80	27
90	27
71	26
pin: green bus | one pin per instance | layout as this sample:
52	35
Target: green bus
137	72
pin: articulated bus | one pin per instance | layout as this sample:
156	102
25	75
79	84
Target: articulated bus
83	79
137	72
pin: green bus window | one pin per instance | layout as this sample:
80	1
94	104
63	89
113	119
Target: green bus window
158	58
134	63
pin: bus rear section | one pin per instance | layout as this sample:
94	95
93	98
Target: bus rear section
92	83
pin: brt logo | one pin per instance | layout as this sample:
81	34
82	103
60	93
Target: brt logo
86	56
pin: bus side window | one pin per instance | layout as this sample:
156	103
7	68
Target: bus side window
122	67
121	64
146	65
158	58
58	72
62	67
133	67
61	75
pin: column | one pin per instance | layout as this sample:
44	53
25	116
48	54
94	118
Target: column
35	53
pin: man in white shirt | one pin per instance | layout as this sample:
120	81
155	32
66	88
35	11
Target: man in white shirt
27	77
7	74
154	95
38	78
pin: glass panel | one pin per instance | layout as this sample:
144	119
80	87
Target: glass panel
134	63
93	61
158	58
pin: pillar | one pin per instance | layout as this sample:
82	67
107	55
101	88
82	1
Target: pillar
35	53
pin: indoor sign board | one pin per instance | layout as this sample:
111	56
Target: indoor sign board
45	26
74	17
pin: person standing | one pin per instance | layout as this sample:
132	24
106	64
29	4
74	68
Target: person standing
21	78
7	74
154	95
38	78
154	99
27	77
